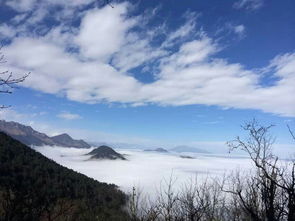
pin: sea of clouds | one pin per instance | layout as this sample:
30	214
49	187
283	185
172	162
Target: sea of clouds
148	171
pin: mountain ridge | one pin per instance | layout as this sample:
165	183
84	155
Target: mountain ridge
29	136
160	150
66	140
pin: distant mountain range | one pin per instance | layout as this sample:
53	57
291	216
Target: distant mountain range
105	152
29	136
187	149
161	150
66	140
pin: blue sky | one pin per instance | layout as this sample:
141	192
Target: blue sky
151	72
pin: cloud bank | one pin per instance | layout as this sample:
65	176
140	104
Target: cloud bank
104	53
144	169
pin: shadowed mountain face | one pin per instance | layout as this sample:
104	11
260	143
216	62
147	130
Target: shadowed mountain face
105	152
32	187
66	141
25	134
29	136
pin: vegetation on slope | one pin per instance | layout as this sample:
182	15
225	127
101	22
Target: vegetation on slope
33	187
105	152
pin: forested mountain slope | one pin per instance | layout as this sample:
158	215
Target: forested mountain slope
33	187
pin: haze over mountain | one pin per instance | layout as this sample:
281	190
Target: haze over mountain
29	136
188	149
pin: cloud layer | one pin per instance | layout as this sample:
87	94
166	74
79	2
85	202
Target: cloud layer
101	59
143	169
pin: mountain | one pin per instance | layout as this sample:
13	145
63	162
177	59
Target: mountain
161	150
25	134
66	141
32	187
187	149
105	152
186	157
29	136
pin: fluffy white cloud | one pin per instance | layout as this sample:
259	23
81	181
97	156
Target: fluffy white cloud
103	31
108	45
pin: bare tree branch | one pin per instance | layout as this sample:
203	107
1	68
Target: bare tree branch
8	81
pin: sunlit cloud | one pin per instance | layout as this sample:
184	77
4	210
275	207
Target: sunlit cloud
94	65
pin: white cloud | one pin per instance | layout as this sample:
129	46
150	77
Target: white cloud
248	4
37	16
240	30
11	115
31	17
29	5
6	31
145	169
108	44
18	18
191	52
188	28
234	31
68	116
135	52
21	5
102	31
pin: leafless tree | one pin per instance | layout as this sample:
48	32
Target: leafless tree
194	202
274	192
7	80
168	200
265	193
